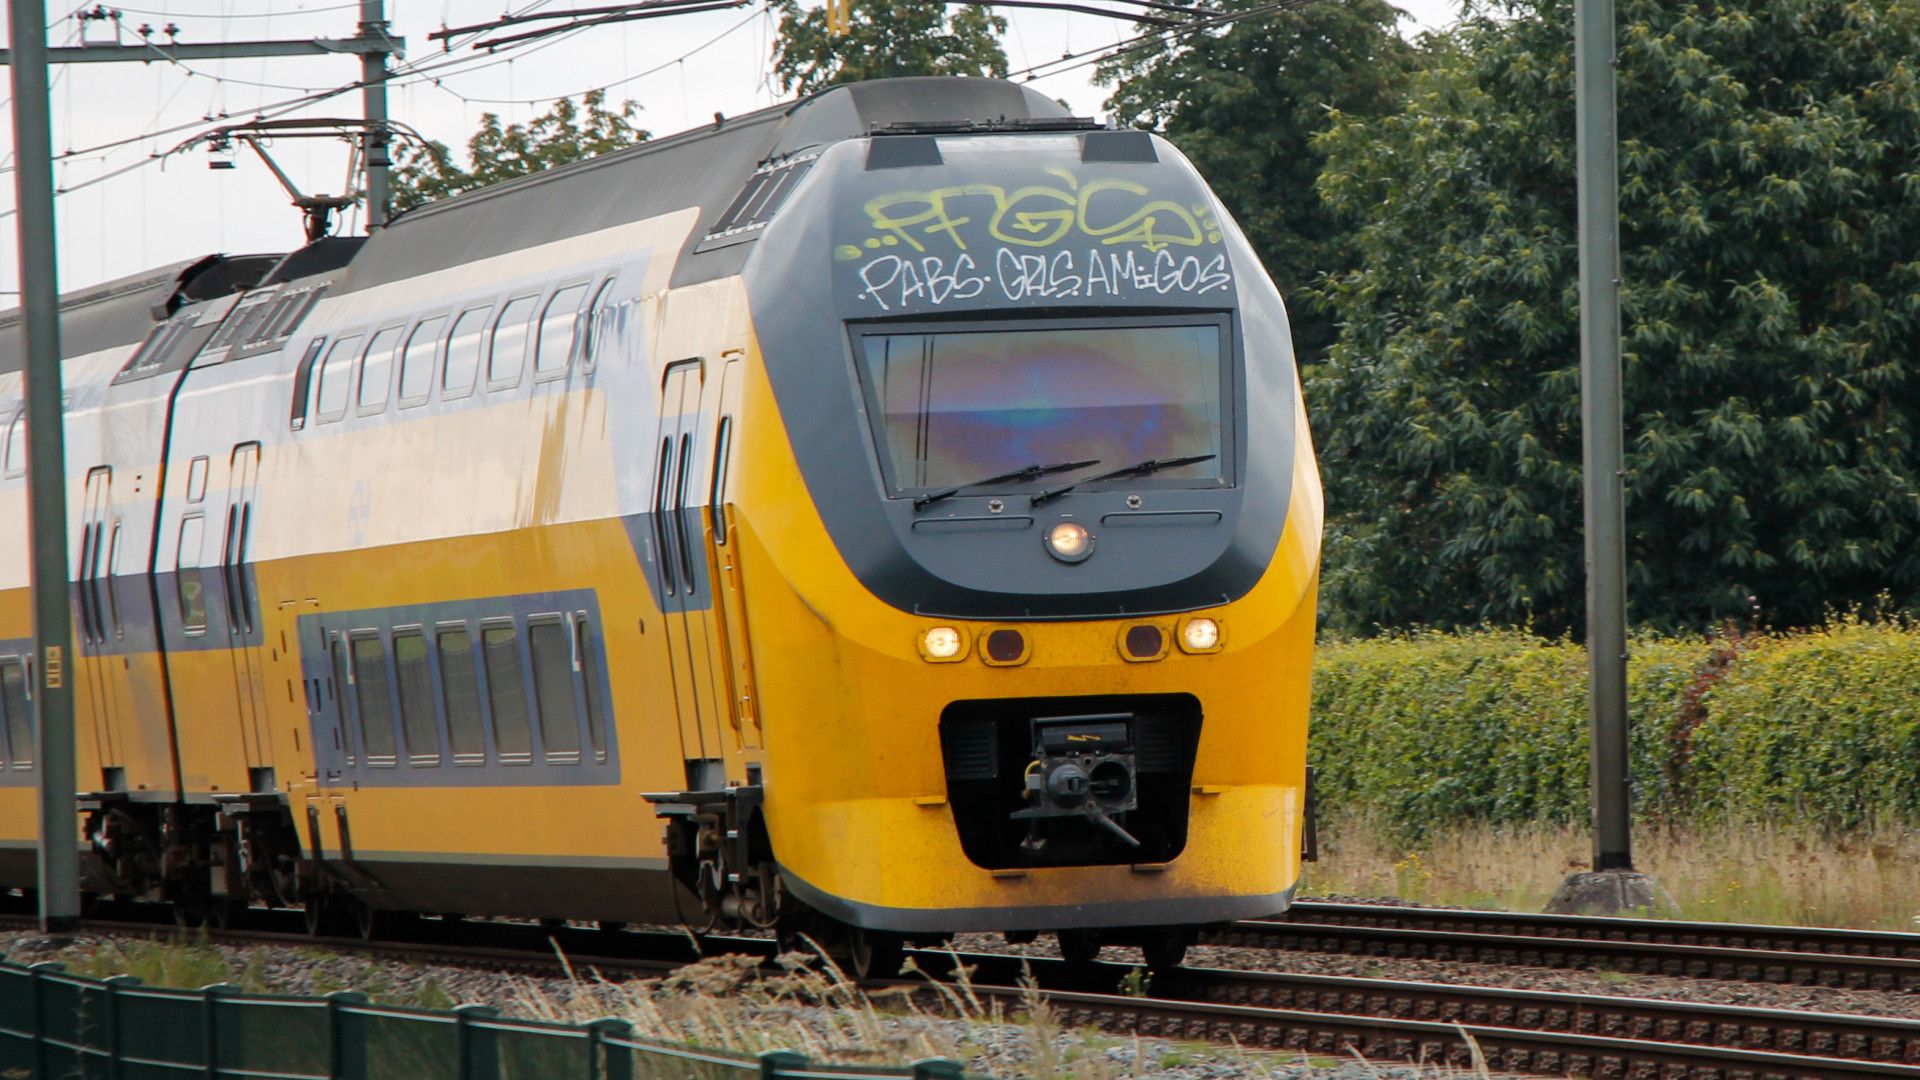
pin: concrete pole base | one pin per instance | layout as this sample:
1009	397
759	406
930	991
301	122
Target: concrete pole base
1611	892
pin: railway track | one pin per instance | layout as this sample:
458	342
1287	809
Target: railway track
1509	1029
1736	953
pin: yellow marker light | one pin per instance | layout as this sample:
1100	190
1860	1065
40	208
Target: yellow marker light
1069	541
942	643
1200	635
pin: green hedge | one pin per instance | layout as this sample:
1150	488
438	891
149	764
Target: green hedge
1434	729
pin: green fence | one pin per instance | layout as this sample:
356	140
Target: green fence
55	1026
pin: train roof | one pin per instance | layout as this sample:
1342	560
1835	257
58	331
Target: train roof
705	168
708	168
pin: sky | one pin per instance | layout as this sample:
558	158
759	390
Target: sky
166	207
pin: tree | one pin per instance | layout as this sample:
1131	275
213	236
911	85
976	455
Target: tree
566	132
887	39
1770	206
1245	103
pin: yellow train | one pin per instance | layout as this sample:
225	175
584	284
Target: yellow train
882	516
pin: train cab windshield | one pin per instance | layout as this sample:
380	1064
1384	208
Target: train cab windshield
953	404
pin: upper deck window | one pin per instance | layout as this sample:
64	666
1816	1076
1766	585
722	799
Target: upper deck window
953	407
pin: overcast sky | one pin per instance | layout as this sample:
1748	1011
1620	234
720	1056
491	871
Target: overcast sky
679	70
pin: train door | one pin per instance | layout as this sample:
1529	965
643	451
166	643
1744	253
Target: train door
684	602
731	643
243	614
99	619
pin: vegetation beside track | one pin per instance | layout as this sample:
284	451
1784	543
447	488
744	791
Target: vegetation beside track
1428	730
1775	777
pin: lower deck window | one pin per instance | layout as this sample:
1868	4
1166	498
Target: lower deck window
17	749
373	696
507	694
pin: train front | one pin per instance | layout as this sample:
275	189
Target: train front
1031	528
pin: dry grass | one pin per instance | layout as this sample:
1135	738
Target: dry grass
728	1003
1767	873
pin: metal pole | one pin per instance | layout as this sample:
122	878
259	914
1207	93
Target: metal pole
1602	429
373	72
47	465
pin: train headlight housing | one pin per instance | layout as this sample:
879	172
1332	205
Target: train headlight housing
1069	541
943	645
1200	635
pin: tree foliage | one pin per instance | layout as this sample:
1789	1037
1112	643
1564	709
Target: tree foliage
1770	205
1245	102
566	132
887	39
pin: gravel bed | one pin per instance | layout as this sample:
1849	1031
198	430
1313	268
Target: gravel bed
1558	980
987	1044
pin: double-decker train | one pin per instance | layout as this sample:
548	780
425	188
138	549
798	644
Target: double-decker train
884	515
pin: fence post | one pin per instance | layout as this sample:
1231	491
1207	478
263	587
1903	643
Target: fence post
37	974
774	1063
110	994
210	1023
938	1069
477	1046
605	1063
346	1036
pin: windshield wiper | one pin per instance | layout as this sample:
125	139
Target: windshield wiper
1031	472
1144	468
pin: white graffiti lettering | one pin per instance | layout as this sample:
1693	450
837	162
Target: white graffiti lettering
899	281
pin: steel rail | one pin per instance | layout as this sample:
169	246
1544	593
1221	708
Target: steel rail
1728	963
1815	939
1553	1053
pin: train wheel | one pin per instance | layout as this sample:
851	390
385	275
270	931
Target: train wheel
228	911
1166	950
874	954
321	915
1079	947
373	924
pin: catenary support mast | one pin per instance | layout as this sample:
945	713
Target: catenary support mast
1602	428
46	463
373	97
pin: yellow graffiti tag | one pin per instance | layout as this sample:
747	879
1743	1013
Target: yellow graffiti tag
1108	211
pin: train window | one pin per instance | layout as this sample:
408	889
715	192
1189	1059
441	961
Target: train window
336	375
507	352
191	590
113	571
553	688
197	479
14	707
596	325
460	689
558	325
416	364
376	371
507	693
722	452
303	380
340	682
463	353
680	503
417	719
16	446
373	698
590	686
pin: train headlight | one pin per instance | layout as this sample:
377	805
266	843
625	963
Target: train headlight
942	644
1069	541
1200	635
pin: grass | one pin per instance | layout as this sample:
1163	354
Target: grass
1764	873
725	1003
